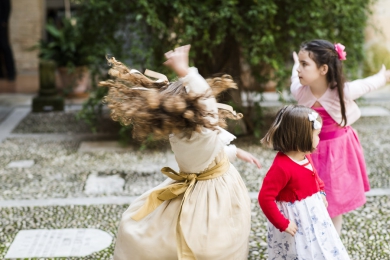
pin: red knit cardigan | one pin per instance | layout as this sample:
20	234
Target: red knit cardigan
286	181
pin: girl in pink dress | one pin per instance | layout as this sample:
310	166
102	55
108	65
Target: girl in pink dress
318	82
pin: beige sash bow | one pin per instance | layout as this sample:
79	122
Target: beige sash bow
184	184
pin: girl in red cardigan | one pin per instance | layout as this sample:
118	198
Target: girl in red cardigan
292	196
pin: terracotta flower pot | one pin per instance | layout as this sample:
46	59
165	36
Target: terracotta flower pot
74	82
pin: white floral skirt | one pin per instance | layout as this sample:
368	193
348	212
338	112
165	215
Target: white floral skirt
316	237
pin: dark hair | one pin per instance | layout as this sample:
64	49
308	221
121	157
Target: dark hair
292	130
323	52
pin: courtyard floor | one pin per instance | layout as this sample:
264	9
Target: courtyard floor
61	188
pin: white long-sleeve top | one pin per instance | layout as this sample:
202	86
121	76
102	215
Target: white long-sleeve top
194	154
330	99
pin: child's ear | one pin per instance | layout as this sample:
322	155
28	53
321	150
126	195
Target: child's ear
324	69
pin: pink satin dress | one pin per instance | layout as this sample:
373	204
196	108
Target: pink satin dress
340	163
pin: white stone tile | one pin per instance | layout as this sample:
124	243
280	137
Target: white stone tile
12	120
105	146
21	164
106	200
378	192
58	243
103	184
380	93
374	111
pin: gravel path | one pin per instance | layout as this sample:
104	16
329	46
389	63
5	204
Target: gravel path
60	171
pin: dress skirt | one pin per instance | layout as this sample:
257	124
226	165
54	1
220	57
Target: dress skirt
340	163
316	237
214	223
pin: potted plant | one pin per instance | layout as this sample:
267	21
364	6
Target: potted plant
65	47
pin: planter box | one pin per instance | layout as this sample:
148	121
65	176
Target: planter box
74	82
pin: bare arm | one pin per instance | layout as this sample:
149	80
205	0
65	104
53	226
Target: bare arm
295	83
247	157
177	60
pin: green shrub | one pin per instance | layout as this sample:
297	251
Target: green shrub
375	55
226	36
66	46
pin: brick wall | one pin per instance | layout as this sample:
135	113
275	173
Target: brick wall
26	25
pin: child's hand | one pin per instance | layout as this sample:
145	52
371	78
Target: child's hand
387	73
247	157
292	228
177	60
324	200
295	57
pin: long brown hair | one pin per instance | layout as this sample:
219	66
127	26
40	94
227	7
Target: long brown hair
292	130
323	52
160	108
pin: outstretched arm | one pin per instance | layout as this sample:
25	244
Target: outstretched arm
294	72
387	74
357	88
295	83
177	60
247	157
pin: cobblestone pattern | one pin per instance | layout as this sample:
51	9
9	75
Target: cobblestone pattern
365	235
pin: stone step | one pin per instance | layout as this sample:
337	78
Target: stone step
4	111
115	200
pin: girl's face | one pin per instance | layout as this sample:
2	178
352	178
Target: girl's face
316	137
308	71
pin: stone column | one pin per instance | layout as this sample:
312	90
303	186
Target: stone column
26	29
47	100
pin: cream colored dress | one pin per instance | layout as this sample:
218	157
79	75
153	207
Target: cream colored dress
214	221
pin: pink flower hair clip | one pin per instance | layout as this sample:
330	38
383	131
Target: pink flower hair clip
340	51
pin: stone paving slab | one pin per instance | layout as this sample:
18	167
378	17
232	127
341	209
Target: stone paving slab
8	124
16	100
370	111
76	242
65	136
19	99
21	164
104	217
379	95
4	111
80	201
107	185
106	146
117	200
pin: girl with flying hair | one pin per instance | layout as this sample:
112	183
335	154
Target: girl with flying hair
318	82
203	211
